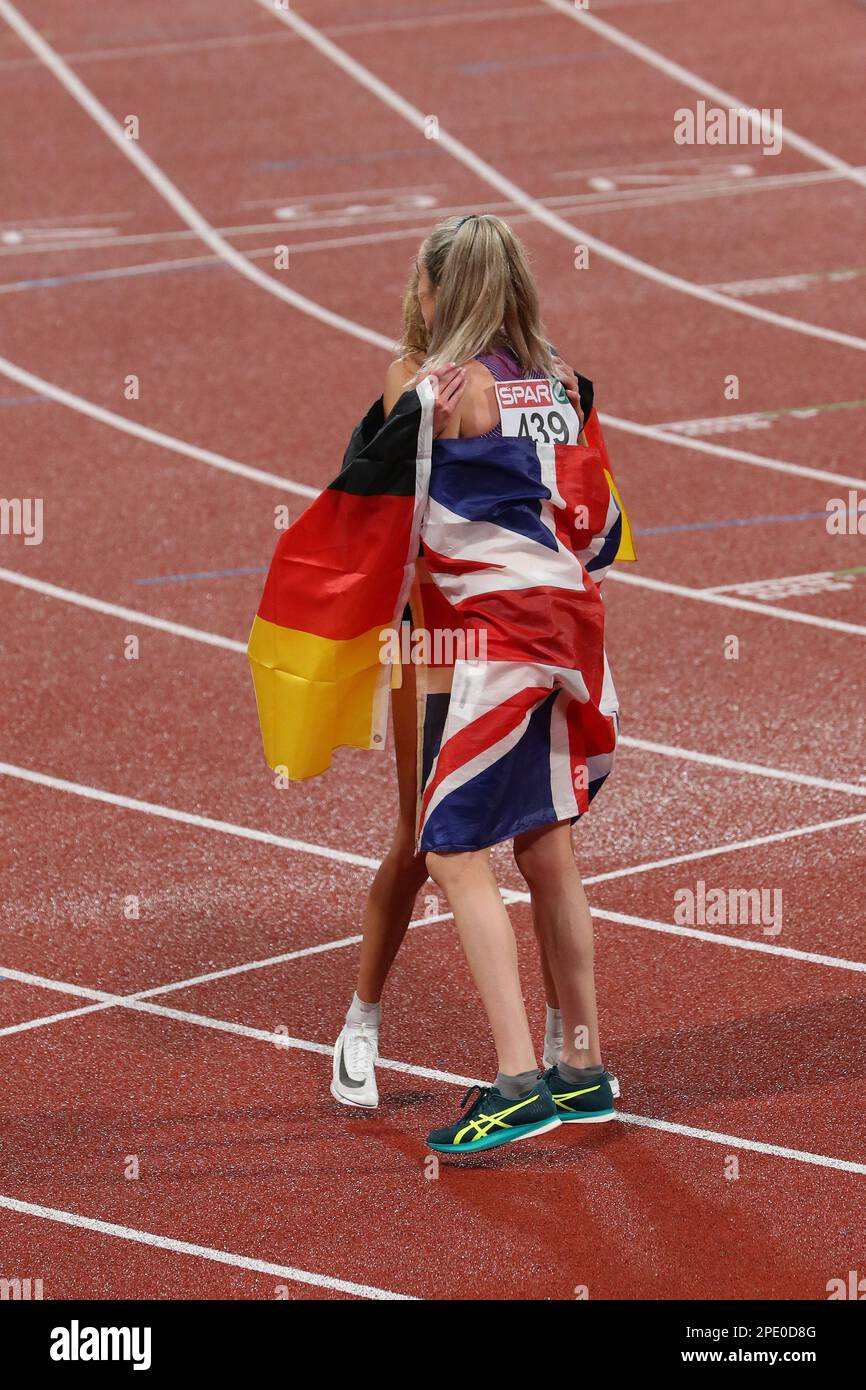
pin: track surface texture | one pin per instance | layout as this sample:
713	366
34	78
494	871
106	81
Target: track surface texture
166	1126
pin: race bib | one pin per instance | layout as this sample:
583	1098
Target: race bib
538	410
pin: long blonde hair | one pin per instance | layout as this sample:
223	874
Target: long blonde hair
487	296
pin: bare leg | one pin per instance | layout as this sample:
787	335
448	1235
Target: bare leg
488	944
402	872
564	928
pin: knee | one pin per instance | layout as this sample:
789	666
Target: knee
449	870
404	857
544	866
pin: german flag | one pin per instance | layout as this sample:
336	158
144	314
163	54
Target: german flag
340	574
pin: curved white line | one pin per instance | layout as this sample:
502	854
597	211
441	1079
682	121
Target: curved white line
746	605
164	441
201	1252
723	451
113	610
464	155
167	190
431	1073
777	774
700	85
239	262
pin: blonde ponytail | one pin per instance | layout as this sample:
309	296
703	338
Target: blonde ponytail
487	296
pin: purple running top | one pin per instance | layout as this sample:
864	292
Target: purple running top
504	366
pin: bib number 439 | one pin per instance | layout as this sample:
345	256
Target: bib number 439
538	410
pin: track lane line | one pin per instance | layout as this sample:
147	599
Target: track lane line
194	219
112	610
660	435
258	475
510	895
112	1001
776	837
201	1252
542	214
454	1079
163	185
710	596
171	813
152	436
803	779
686	78
745	605
382	217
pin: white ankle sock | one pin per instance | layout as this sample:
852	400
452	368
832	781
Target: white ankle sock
359	1012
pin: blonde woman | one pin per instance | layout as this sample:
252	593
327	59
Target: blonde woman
487	464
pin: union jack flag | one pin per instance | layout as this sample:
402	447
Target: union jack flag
516	538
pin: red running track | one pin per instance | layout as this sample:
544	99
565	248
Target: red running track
746	1047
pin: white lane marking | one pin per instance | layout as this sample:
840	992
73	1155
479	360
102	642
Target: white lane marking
780	284
536	209
112	610
377	26
509	896
788	615
163	441
171	813
201	1252
698	84
112	1001
755	419
258	475
565	203
753	1145
732	847
662	436
710	759
767	948
164	186
236	258
239	261
790	585
802	779
450	1078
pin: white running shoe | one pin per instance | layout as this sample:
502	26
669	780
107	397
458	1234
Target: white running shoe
354	1076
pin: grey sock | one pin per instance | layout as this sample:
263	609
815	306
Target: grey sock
516	1087
576	1074
359	1012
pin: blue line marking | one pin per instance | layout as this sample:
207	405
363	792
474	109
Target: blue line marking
23	400
351	157
498	65
719	525
114	273
202	574
638	531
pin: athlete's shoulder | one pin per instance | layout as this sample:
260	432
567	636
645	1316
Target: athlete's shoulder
398	376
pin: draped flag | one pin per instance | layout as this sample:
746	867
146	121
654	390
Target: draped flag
516	538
